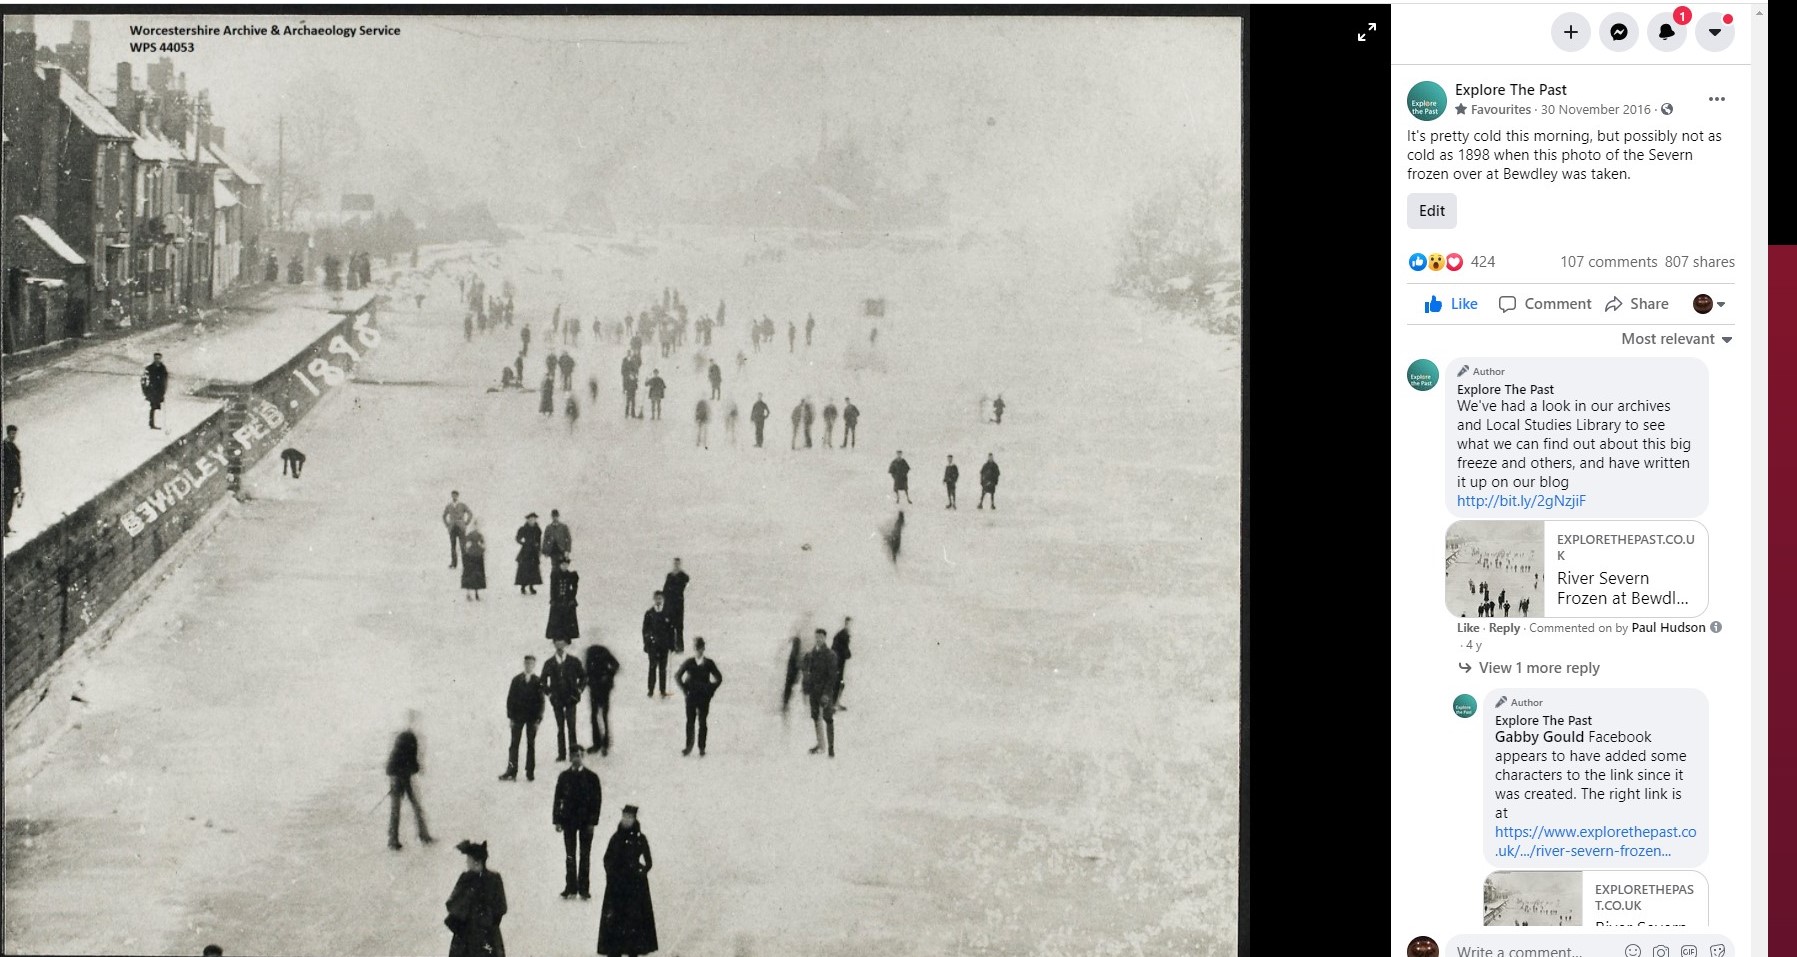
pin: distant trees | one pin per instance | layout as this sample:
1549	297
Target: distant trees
1180	247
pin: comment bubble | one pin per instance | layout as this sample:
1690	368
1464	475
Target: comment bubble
1549	944
1584	438
1507	570
1596	899
1584	777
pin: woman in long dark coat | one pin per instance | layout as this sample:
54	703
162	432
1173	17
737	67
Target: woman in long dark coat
475	907
627	918
474	560
564	587
547	403
530	555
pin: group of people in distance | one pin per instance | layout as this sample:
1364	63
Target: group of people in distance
900	470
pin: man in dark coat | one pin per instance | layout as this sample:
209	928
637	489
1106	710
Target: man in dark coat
792	334
758	414
673	589
402	764
154	383
524	335
989	482
840	645
950	477
798	415
821	677
716	376
627	917
14	474
530	555
566	362
558	540
900	470
998	410
575	814
658	641
698	679
602	669
564	602
810	324
524	709
829	423
563	680
476	907
628	371
657	389
810	413
850	416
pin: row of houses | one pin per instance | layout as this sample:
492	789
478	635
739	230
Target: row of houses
115	214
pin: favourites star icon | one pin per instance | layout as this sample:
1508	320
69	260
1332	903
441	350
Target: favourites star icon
1461	109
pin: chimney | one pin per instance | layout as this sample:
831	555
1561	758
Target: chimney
126	108
158	74
21	23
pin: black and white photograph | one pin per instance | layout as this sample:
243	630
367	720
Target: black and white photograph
1494	569
755	486
1534	898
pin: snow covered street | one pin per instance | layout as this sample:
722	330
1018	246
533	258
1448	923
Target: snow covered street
1039	754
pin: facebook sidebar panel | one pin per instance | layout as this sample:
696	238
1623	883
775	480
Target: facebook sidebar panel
1578	646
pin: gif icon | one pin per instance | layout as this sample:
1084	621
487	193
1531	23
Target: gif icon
1433	305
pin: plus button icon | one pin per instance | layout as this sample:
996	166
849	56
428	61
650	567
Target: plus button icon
1570	32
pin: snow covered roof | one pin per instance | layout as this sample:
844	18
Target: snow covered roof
90	111
206	157
222	197
238	168
49	238
154	149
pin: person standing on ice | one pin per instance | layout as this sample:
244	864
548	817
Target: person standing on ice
989	482
673	590
524	709
758	414
850	417
476	907
564	592
524	335
575	814
698	678
558	540
794	654
810	324
792	336
716	376
998	410
657	389
840	645
566	362
154	383
658	641
701	417
821	676
546	402
563	680
950	477
900	470
810	416
627	917
474	561
456	516
829	422
730	417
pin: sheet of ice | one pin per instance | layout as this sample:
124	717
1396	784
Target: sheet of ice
1039	754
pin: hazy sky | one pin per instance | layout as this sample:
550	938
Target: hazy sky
1061	119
